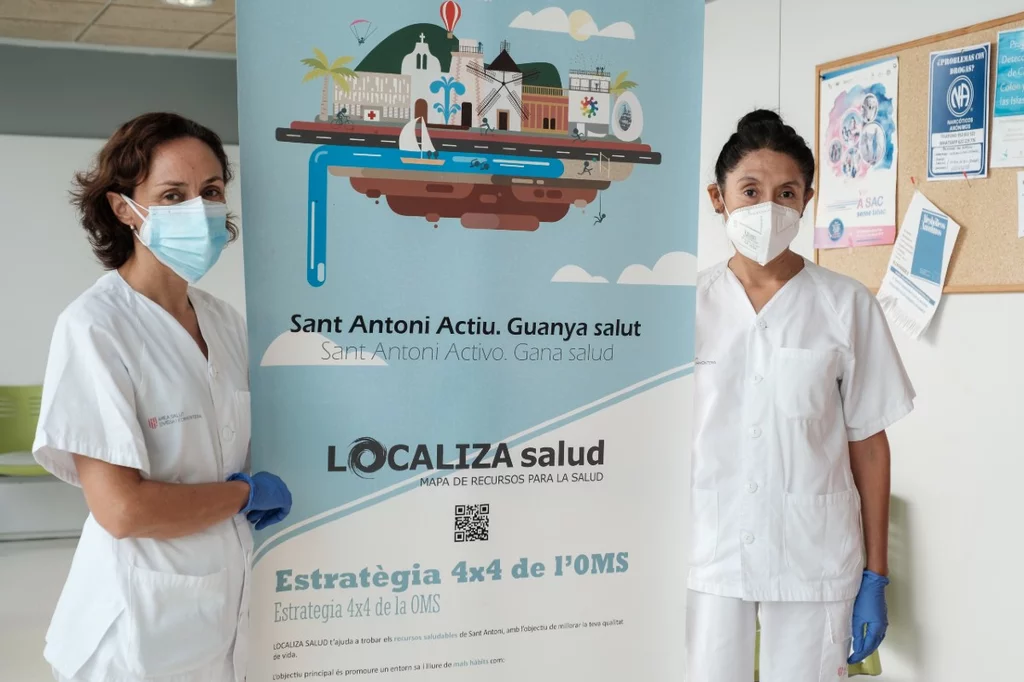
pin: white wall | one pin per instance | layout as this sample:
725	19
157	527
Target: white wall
741	73
955	604
45	262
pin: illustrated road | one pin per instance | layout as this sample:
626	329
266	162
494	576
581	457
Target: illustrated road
583	151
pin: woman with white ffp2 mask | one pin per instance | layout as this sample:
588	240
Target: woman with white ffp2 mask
797	378
146	408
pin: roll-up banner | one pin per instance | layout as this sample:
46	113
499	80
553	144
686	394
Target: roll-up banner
470	231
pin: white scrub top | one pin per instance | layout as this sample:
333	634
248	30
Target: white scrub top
779	396
125	383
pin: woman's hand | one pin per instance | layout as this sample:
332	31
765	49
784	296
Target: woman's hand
870	618
270	501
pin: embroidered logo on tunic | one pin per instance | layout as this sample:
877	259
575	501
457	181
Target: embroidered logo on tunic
842	671
171	420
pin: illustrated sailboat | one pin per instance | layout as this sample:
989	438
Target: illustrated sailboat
407	142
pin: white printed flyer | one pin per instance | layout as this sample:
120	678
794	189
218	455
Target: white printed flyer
471	335
858	147
913	281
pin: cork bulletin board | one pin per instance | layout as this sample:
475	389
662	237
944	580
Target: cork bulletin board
989	257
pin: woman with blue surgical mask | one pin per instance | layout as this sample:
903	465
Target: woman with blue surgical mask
797	378
146	408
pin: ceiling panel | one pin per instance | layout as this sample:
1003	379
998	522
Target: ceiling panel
217	43
163	19
223	6
50	10
137	37
122	23
38	30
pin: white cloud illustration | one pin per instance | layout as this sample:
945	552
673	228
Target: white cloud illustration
576	274
676	268
619	29
579	24
552	19
308	349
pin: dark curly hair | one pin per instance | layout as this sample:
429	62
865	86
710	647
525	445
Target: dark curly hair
123	164
763	129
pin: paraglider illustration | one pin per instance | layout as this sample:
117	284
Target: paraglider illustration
451	12
362	29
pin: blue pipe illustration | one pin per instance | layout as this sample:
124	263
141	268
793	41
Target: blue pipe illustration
392	159
316	236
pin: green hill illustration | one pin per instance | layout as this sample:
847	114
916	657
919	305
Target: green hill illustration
388	55
547	74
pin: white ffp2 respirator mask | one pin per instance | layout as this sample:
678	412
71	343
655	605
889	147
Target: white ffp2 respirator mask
763	231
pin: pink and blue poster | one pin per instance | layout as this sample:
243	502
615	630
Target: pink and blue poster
858	149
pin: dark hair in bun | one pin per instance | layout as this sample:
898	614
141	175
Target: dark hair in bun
763	129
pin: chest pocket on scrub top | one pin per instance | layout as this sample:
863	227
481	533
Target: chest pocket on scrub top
805	382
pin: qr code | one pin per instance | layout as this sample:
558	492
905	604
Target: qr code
472	522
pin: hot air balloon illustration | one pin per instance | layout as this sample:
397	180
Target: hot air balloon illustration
362	29
450	15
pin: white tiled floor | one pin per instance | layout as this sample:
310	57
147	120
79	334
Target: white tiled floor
31	577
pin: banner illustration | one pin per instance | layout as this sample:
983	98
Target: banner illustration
501	130
470	239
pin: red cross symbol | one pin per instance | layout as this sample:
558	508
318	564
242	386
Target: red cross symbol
372	115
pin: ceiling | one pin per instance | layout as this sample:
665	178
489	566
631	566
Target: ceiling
122	23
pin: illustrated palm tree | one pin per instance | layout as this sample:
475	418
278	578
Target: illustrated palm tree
621	85
321	67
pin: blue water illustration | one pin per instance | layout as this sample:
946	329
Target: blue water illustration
392	159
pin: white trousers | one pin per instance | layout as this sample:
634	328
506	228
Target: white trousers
800	641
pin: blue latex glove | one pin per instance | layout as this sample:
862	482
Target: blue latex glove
269	499
870	617
262	519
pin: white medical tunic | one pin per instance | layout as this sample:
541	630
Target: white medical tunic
125	383
779	396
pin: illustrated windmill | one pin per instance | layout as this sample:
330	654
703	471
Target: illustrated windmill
502	73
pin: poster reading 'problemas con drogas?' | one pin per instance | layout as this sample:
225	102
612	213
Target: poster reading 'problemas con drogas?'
469	245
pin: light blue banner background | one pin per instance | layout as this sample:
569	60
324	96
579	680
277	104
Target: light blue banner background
381	264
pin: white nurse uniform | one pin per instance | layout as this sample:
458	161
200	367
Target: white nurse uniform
127	384
776	518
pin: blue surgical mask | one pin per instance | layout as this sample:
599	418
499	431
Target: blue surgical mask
187	237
